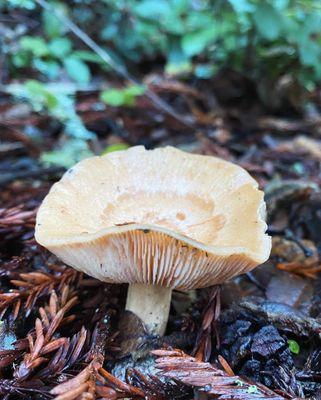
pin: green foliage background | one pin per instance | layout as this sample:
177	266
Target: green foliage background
263	39
194	36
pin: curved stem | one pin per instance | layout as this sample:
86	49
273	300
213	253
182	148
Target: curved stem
151	304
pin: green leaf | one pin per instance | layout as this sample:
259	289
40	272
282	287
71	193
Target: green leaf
60	47
35	44
268	21
115	147
109	32
113	97
178	69
153	9
311	24
175	53
309	53
195	42
88	56
41	94
21	59
35	87
51	24
242	6
134	90
196	21
77	69
47	67
177	61
282	4
28	4
294	346
71	152
122	97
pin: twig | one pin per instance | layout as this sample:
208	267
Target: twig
119	69
17	135
39	173
205	377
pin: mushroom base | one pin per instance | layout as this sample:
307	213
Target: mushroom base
151	304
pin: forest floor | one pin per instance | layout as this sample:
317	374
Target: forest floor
258	336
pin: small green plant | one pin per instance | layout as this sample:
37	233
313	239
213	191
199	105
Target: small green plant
265	40
28	4
50	57
122	97
294	346
261	38
52	52
253	389
115	147
58	102
70	152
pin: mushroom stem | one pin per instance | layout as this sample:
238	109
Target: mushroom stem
151	304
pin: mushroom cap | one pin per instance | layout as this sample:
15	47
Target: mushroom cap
157	217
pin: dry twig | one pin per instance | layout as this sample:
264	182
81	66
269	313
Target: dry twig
206	378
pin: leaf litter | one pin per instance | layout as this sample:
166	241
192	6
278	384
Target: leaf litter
66	336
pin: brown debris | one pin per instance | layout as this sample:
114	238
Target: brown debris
96	382
41	342
211	313
206	378
17	216
73	354
298	258
33	285
225	365
305	145
310	271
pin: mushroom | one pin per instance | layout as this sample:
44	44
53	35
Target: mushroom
158	220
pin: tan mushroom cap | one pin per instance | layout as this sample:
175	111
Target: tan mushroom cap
156	217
